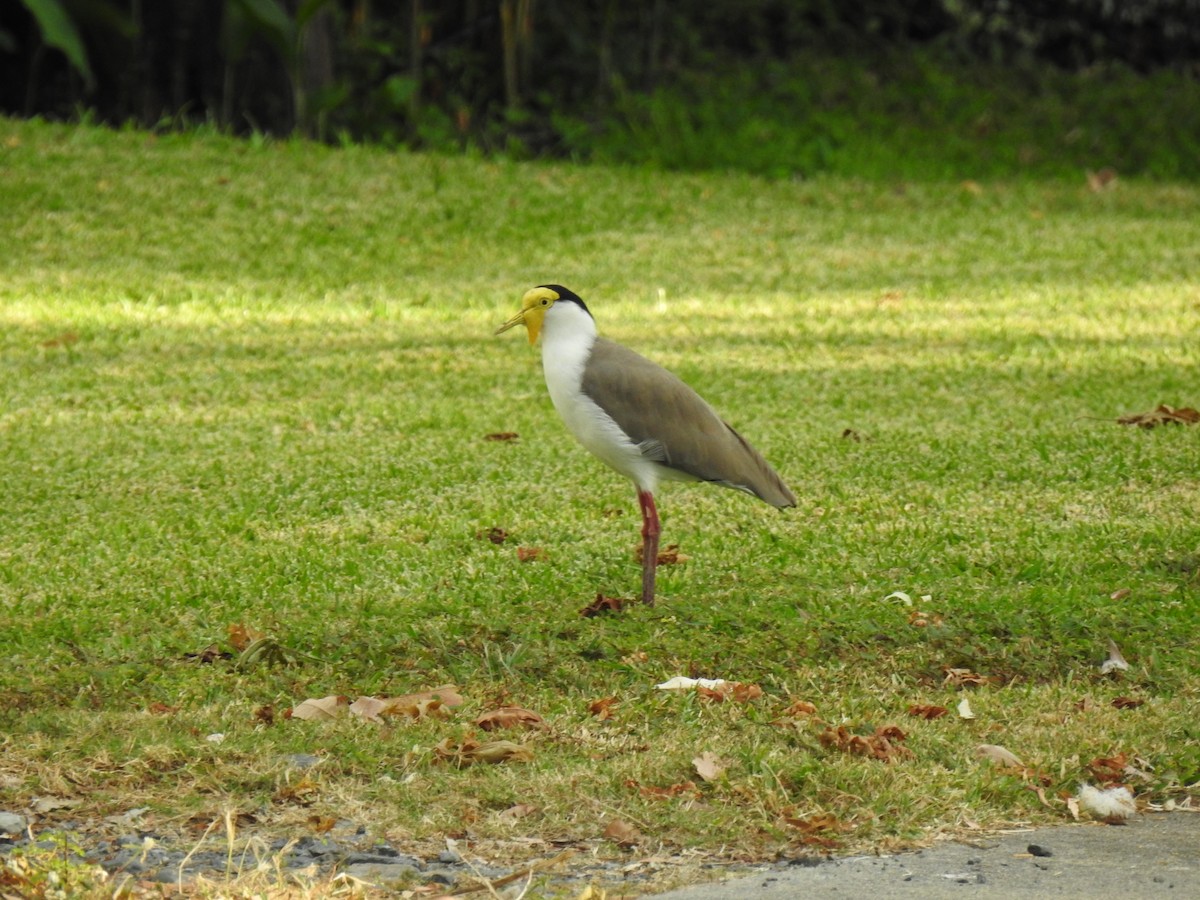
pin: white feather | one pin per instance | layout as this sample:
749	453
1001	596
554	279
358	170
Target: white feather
1109	803
568	334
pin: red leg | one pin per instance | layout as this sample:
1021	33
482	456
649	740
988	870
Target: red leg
650	533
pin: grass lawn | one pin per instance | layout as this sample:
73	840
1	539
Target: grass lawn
250	384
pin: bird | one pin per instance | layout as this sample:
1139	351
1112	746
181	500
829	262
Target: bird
637	417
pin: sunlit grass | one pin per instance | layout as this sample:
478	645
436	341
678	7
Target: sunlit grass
253	384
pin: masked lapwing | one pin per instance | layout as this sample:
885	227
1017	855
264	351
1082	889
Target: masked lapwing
636	416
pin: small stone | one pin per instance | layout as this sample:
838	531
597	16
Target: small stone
381	873
449	857
11	823
1039	850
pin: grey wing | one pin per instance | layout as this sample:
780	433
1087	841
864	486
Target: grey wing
674	426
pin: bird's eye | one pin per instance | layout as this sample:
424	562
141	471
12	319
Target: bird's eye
545	302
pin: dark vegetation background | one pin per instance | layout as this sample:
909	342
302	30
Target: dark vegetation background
961	88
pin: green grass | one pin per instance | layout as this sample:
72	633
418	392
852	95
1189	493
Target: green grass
251	383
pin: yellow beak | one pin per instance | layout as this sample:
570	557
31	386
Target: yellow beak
530	317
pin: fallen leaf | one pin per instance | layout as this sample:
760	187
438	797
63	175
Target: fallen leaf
652	792
1041	795
1120	594
1073	807
469	751
1162	415
516	812
964	709
324	709
800	708
901	596
1115	662
66	339
622	834
496	535
602	708
304	792
602	604
1101	180
730	690
242	636
322	824
668	557
999	755
682	683
709	767
1127	702
510	717
504	436
927	712
884	744
161	709
921	619
265	714
432	703
851	434
956	677
531	554
816	823
1109	769
43	805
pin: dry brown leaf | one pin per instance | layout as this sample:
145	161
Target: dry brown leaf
884	744
516	812
652	792
496	535
799	708
815	823
265	714
962	677
161	709
622	834
1120	594
322	824
709	767
531	554
66	339
303	792
602	604
667	557
602	708
503	436
510	717
736	691
421	705
320	710
1162	415
1102	179
1109	769
921	619
1001	756
1127	702
242	636
927	712
469	751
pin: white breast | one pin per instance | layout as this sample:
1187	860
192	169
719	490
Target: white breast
568	334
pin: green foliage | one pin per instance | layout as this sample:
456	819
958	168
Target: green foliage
58	30
919	116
